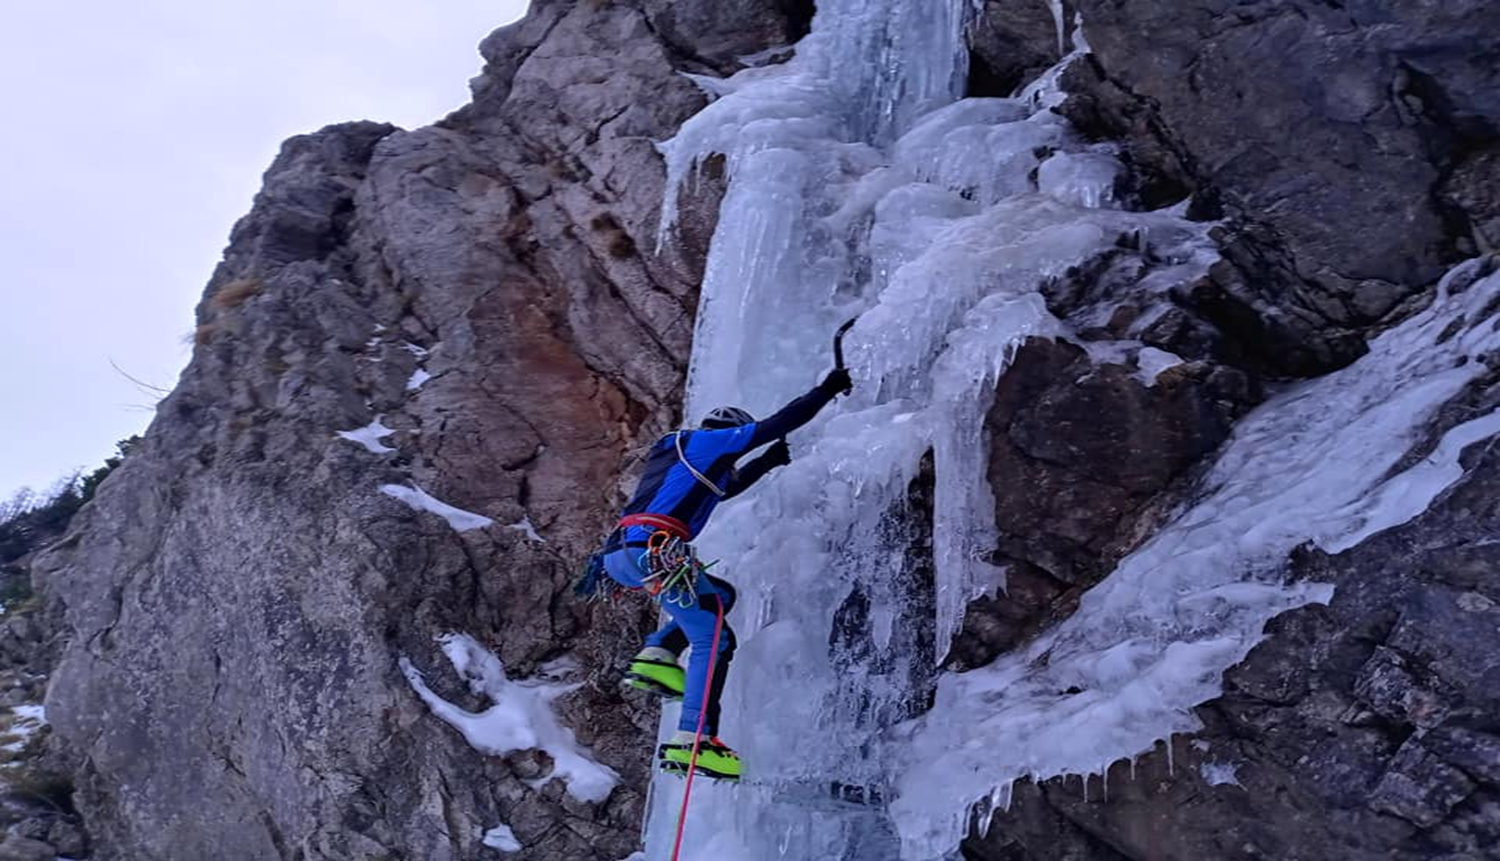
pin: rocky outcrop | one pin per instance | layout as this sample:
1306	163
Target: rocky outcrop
1013	43
1348	145
241	590
1079	455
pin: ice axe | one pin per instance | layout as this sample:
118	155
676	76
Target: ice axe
838	343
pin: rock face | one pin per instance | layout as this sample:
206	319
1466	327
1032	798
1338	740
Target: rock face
1364	729
1352	147
240	592
475	314
1348	149
1078	453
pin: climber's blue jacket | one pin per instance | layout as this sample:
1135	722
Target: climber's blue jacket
669	488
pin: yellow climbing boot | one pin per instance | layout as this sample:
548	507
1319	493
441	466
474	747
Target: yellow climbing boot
715	759
656	671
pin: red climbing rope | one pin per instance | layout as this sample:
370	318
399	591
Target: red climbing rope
708	686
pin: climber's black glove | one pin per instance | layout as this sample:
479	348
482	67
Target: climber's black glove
778	454
837	382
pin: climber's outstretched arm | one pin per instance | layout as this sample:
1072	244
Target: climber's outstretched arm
800	411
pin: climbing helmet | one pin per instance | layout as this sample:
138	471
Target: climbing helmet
726	417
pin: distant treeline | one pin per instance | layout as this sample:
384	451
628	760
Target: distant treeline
29	521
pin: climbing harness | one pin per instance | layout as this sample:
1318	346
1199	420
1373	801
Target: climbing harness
703	479
708	686
671	569
669	565
656	521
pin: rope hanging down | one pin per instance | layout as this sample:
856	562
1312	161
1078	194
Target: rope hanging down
687	792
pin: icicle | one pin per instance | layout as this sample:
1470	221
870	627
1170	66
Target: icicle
1080	42
1171	759
1059	16
986	816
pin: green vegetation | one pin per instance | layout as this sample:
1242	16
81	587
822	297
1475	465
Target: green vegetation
27	522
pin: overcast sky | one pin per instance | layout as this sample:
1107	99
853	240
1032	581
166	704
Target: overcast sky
135	133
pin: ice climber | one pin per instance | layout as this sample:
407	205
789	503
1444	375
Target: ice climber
687	474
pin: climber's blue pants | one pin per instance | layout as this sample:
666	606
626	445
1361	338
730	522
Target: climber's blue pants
693	625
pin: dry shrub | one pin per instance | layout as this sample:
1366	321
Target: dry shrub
204	334
234	294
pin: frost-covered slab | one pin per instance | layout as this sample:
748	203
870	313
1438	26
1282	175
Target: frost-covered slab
421	500
520	719
1152	362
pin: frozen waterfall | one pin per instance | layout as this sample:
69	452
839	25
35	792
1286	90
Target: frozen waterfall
861	181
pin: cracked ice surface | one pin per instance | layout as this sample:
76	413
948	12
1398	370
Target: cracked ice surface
860	182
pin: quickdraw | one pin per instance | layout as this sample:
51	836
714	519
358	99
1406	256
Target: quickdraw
671	568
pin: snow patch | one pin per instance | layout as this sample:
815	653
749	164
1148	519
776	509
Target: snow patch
1151	362
370	435
419	352
521	718
1220	773
502	838
524	525
418	377
36	713
29	721
421	500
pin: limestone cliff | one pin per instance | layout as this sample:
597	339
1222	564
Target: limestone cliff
239	594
